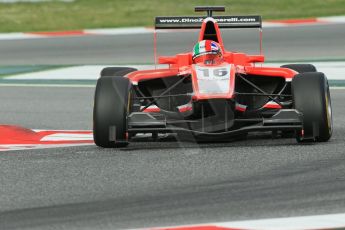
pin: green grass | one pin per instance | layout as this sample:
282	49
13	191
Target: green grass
81	14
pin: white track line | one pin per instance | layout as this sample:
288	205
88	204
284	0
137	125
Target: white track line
119	31
16	36
86	72
292	223
68	136
333	71
48	85
328	221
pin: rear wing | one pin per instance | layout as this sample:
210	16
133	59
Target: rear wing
194	22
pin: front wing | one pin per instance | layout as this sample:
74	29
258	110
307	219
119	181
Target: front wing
283	120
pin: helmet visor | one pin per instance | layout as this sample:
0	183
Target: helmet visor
208	59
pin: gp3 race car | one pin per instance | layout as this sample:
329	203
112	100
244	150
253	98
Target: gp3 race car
211	94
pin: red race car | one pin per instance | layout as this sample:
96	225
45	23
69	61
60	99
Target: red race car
211	94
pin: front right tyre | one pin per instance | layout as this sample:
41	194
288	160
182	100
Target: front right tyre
116	71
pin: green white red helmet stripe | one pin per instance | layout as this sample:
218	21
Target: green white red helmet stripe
205	47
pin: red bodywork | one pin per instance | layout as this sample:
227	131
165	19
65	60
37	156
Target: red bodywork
182	64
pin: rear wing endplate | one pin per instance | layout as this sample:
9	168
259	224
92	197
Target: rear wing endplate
194	22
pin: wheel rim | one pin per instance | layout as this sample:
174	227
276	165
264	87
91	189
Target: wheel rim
329	112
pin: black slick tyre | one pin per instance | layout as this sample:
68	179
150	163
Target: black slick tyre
111	106
300	68
311	97
116	71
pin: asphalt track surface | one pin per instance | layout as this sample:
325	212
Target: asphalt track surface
295	42
165	183
158	184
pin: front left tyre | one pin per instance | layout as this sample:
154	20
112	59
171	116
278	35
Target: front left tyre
311	97
111	106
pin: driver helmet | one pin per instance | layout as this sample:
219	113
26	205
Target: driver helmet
207	52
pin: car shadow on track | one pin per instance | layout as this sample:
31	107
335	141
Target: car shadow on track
171	142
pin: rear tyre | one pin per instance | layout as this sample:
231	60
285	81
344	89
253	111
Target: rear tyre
111	106
311	97
300	68
116	71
